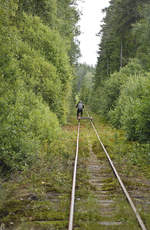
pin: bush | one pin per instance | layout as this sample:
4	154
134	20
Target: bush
108	92
35	75
27	124
43	57
132	109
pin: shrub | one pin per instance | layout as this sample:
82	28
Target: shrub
35	75
133	108
108	92
43	57
27	124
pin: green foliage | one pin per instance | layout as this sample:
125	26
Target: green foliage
119	43
82	84
106	95
45	9
124	100
132	108
59	15
87	87
143	110
141	31
120	92
26	123
43	58
35	75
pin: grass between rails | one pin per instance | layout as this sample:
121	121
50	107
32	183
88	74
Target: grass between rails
132	161
88	215
39	197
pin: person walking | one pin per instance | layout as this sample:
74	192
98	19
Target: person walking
80	107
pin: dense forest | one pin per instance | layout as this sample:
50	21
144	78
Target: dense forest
83	83
38	49
122	79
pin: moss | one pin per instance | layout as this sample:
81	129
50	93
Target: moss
49	182
146	218
42	225
110	184
47	215
34	211
13	210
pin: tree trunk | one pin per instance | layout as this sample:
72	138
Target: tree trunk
121	54
107	66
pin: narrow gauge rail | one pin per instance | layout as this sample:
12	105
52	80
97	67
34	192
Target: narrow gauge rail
138	217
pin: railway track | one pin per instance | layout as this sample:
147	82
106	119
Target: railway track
111	164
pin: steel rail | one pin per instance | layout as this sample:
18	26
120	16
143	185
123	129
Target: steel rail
140	221
70	226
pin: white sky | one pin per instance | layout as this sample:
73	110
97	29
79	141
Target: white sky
90	25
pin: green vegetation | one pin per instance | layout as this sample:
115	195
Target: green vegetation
83	82
37	53
39	198
38	61
122	80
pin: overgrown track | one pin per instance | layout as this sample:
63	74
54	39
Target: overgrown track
124	190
